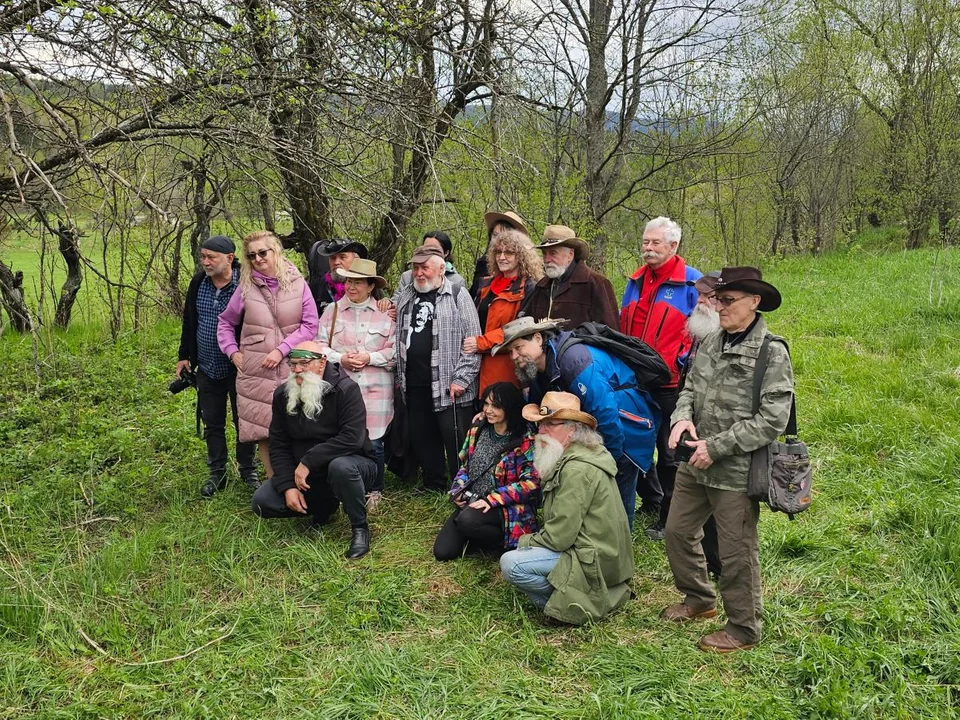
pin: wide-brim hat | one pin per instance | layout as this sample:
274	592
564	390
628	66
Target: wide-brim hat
332	247
363	269
749	280
562	236
510	218
558	406
708	283
525	327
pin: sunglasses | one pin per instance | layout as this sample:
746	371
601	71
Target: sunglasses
251	256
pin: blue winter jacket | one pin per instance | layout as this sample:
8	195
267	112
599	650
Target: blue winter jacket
627	417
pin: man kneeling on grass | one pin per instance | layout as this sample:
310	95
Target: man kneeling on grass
577	567
319	447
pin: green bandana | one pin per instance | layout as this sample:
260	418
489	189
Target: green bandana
305	355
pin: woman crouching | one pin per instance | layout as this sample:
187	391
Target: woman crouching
497	489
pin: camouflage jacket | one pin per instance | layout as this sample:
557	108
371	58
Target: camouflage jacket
718	399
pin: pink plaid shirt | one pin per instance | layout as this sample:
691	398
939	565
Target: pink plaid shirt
363	328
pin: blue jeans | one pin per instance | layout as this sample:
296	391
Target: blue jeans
627	474
527	570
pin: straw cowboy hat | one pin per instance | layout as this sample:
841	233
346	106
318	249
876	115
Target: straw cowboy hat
558	406
749	280
509	217
562	236
363	269
525	327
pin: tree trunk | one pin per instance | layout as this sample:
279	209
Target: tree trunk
202	210
266	209
13	300
70	249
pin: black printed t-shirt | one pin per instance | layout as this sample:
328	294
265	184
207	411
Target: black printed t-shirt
420	340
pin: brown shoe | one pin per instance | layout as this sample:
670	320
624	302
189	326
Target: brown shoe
723	642
681	612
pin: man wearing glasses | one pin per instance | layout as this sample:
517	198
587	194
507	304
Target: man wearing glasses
716	409
658	299
319	448
208	294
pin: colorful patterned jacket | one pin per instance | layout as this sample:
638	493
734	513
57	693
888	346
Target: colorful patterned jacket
517	491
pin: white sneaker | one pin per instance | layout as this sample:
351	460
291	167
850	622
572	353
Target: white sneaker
373	499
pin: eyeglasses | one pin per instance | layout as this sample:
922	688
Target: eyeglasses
301	362
251	256
727	301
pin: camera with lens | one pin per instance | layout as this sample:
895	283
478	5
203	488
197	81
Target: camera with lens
187	379
683	452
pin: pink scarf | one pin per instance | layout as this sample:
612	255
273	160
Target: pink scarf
337	289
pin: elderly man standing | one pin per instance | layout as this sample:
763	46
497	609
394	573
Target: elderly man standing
208	294
570	289
716	408
627	419
319	448
656	303
339	254
438	379
576	569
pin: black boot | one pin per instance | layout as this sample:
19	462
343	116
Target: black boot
250	477
360	543
215	483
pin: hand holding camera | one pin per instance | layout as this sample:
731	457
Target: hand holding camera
683	452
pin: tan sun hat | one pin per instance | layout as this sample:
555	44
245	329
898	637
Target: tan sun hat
562	236
525	327
509	217
363	269
558	406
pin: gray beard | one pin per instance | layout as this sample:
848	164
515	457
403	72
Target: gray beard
428	286
546	454
703	321
526	372
554	271
308	395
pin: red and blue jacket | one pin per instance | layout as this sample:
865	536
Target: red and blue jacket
655	308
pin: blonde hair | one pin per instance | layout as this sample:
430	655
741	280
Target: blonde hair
246	267
531	262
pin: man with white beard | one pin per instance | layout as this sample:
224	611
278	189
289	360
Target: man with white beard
576	568
319	448
570	289
437	379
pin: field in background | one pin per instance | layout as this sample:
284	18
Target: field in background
122	594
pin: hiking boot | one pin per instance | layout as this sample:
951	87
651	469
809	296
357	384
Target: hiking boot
723	642
214	484
250	477
359	543
655	531
681	612
373	499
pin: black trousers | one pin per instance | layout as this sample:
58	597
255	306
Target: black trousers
212	397
436	437
347	480
469	529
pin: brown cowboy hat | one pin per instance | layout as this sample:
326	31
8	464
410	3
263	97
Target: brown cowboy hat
364	270
558	406
562	236
749	280
525	327
509	217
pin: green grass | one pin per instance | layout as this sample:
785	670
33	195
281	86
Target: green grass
862	593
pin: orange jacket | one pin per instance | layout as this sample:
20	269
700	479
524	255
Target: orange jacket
503	308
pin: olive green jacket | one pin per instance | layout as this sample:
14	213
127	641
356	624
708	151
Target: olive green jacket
584	519
718	399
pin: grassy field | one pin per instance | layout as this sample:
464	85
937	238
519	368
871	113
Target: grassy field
122	594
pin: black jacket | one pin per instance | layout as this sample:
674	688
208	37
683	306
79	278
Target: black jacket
188	331
340	430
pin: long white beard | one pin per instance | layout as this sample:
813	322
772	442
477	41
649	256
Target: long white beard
427	285
546	454
703	321
309	394
554	271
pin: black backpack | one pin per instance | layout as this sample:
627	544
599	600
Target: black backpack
646	363
317	266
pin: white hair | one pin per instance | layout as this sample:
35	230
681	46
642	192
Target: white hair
671	231
584	435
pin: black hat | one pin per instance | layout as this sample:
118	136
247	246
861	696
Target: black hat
220	244
749	280
340	245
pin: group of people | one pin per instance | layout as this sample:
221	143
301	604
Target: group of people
543	441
